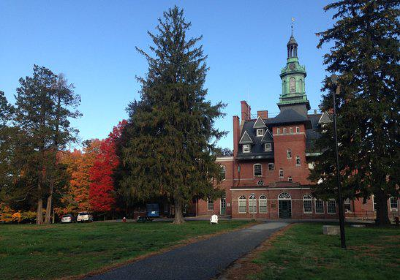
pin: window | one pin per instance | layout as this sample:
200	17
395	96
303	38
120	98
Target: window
307	204
297	129
280	173
257	169
223	172
246	148
393	203
347	205
252	204
292	84
268	147
271	166
319	206
242	204
260	132
289	153
210	204
290	179
284	131
291	130
262	202
331	206
374	203
298	162
278	130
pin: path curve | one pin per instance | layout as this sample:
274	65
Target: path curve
197	261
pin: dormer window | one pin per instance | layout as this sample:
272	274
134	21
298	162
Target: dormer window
285	130
268	147
278	130
291	130
260	132
246	148
297	129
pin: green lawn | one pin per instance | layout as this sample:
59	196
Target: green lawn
46	252
303	252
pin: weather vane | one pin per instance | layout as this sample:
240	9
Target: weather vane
292	24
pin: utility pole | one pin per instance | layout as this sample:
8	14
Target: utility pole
339	187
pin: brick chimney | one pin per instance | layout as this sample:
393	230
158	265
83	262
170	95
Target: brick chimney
246	111
236	135
263	114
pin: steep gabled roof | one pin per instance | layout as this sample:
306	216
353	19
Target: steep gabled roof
325	118
246	139
259	123
267	137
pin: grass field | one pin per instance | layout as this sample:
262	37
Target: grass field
47	252
303	252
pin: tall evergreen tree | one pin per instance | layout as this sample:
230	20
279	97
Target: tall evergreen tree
44	105
365	55
171	142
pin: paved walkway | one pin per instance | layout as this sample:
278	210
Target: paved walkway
197	261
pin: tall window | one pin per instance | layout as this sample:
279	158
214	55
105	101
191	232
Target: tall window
252	204
268	147
331	206
262	202
271	166
292	84
290	179
246	148
280	173
393	203
260	132
210	204
291	130
307	204
278	130
242	204
257	169
298	162
297	129
284	130
289	153
223	172
347	205
319	206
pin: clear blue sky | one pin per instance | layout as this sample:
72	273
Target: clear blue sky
93	44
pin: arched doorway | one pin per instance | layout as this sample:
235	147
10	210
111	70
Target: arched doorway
285	205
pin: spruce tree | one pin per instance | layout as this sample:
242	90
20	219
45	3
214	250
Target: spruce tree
365	55
170	146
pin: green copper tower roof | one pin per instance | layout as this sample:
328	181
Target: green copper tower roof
293	79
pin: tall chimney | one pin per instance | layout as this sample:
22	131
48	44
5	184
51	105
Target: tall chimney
246	111
236	135
263	114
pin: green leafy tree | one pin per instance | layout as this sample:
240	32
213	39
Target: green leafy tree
171	134
365	55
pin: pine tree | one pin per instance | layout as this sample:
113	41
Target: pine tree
6	131
171	133
365	55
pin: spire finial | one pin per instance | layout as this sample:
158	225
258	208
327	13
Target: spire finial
292	25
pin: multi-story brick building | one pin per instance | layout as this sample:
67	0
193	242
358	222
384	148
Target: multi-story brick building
267	175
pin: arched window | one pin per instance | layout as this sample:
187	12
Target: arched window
307	204
262	202
223	172
252	204
289	153
292	85
257	168
284	196
242	204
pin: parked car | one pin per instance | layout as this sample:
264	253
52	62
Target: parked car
84	217
69	218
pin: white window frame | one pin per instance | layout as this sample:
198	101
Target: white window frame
210	202
315	206
327	206
290	179
252	204
281	174
269	166
396	202
260	132
298	161
223	172
291	130
254	170
262	204
284	130
289	154
246	148
242	203
307	198
297	129
347	201
278	131
269	148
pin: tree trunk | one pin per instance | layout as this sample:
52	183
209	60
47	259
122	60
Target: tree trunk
178	212
382	214
39	210
49	204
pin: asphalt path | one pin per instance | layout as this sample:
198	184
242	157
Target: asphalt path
201	260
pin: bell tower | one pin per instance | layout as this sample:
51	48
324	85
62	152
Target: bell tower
293	80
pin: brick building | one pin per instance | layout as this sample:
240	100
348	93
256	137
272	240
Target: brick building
267	175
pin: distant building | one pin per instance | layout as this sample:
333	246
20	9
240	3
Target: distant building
267	175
